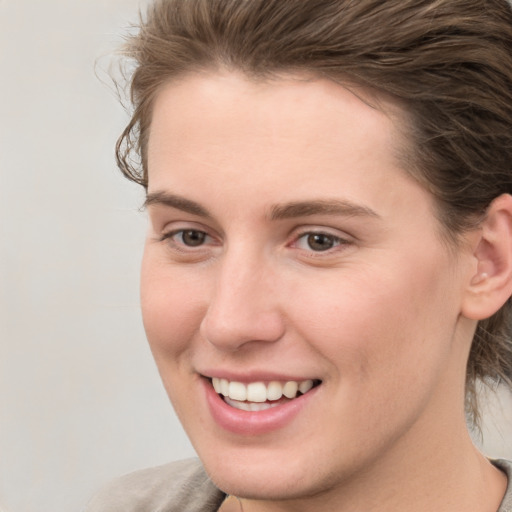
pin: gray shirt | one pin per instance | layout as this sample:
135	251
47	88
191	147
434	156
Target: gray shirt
184	486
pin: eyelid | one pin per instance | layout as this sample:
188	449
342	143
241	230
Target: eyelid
175	226
171	229
173	232
163	219
321	230
342	239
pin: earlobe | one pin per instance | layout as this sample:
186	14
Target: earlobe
490	285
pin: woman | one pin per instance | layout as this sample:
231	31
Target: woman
328	268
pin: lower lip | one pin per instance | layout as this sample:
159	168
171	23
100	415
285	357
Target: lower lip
253	422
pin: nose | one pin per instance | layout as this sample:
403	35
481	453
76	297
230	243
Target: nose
243	306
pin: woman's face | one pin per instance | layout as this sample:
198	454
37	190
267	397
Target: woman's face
286	245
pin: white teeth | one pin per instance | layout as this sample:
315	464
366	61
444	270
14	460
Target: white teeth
257	392
305	386
237	391
290	389
224	387
274	391
249	406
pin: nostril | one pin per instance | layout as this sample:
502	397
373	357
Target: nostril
231	331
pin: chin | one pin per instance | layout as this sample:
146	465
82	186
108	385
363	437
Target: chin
263	474
269	483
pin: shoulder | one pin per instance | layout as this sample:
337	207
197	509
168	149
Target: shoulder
174	487
506	467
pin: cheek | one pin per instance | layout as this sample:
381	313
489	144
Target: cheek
172	307
385	344
381	324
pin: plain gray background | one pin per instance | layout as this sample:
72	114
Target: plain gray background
80	398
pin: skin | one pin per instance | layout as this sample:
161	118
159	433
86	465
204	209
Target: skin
378	317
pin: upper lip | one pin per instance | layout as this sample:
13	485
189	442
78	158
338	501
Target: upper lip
255	376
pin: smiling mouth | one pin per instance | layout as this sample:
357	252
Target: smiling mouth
259	396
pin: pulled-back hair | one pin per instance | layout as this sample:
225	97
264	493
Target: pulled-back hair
447	62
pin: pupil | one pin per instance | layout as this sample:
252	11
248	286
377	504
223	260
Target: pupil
319	242
193	238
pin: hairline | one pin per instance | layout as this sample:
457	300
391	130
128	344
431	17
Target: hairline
394	108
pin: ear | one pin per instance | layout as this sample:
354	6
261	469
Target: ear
490	285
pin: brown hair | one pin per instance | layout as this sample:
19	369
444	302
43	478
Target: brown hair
448	62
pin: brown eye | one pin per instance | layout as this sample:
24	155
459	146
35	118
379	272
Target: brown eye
321	241
191	237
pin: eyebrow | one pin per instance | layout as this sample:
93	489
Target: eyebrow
178	202
320	207
277	212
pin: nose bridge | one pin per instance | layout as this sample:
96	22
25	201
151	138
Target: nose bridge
243	307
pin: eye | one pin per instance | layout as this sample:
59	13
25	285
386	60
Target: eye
192	238
187	237
318	242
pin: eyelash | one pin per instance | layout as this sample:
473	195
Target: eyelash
309	235
179	245
336	241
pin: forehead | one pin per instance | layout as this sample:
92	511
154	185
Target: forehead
237	147
235	93
295	119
